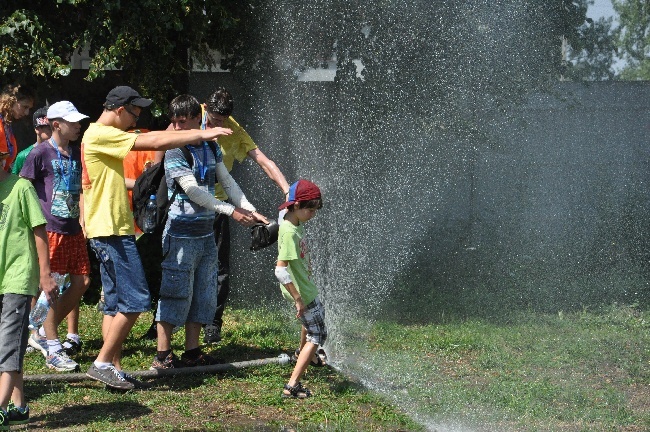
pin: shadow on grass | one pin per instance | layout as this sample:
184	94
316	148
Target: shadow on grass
233	352
91	413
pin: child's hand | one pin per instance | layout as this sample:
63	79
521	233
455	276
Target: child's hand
50	288
243	217
260	218
300	308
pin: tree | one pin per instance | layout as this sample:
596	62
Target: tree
593	54
633	38
428	50
148	40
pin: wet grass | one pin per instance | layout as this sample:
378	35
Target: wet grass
238	400
566	372
585	371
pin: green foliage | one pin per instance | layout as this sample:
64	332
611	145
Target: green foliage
28	46
468	50
600	44
593	54
633	38
148	40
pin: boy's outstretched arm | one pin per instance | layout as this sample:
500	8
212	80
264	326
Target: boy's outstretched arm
271	169
284	277
47	283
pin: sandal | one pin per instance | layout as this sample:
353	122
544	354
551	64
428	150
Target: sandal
297	391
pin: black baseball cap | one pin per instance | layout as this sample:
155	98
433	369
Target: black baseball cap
40	117
125	95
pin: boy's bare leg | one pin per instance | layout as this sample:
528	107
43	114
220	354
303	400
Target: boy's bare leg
303	336
68	301
306	354
165	330
115	330
80	284
192	333
303	340
73	320
18	395
8	381
106	325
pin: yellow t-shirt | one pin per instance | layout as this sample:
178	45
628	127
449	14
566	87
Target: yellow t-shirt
234	146
106	203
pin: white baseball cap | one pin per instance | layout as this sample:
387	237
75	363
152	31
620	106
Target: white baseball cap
66	111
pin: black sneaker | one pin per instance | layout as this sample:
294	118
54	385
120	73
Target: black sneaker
152	332
202	360
212	334
109	376
136	382
4	420
72	347
18	416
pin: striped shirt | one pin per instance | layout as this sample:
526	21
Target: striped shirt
187	219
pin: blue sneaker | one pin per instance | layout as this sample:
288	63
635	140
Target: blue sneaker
39	343
60	361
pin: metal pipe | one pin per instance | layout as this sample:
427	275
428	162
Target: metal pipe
223	367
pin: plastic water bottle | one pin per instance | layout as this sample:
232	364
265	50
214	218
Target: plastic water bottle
150	215
41	308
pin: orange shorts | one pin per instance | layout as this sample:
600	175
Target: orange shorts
68	254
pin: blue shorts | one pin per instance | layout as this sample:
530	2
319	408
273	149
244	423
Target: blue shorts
123	280
188	291
14	319
313	320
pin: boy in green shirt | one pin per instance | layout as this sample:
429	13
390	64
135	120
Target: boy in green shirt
293	270
24	264
43	133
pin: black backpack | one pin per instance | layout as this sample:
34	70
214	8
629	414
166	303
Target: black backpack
152	182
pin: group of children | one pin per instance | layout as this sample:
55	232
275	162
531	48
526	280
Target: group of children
67	195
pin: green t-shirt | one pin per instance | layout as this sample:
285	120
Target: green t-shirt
292	247
20	160
20	212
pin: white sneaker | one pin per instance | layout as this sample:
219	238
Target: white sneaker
38	343
60	361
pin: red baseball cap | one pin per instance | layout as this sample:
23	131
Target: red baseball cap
302	190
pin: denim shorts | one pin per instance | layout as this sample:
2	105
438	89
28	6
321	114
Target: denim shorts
14	319
313	320
123	280
188	291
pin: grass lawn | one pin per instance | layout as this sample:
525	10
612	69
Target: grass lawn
587	371
240	400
